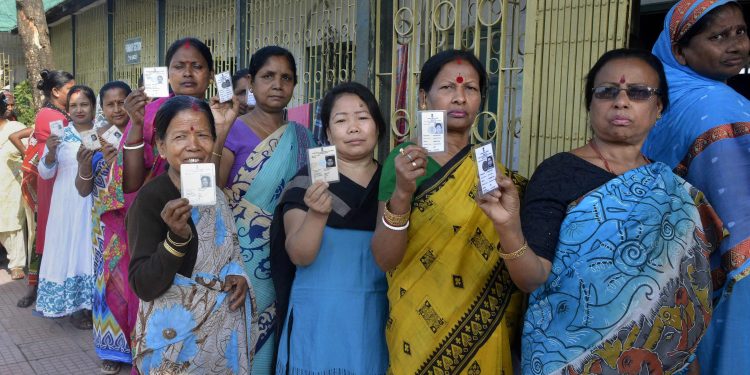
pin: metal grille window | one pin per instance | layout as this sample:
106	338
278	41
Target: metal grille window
320	35
91	53
134	19
61	40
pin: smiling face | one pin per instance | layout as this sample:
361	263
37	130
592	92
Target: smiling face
113	107
351	128
188	72
81	109
273	85
455	90
721	50
623	120
188	139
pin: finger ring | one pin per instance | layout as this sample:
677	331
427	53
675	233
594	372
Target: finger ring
410	158
401	151
413	164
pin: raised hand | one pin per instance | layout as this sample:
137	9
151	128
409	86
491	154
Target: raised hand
135	106
318	199
410	164
502	206
176	214
224	113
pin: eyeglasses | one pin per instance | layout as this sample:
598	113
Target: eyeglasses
636	93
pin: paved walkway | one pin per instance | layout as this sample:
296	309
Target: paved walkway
35	345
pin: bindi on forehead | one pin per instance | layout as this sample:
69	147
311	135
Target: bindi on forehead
186	45
622	78
459	79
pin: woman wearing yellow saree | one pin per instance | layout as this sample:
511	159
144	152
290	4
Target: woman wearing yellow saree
453	306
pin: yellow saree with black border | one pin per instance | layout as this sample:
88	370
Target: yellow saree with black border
453	306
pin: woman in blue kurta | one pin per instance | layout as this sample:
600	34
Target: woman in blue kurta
336	306
705	137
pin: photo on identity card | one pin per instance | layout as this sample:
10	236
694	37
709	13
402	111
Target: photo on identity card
485	157
113	135
57	128
224	87
155	80
198	183
322	164
431	130
90	140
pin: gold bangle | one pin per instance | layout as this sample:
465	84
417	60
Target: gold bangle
172	250
179	244
396	220
215	154
516	254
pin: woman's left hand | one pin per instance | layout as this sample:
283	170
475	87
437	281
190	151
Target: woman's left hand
502	206
109	151
237	285
224	114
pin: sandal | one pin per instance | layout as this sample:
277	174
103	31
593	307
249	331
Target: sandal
111	367
17	274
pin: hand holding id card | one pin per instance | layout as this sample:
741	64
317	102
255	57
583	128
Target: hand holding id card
322	164
431	130
113	135
198	183
90	140
224	87
156	82
485	157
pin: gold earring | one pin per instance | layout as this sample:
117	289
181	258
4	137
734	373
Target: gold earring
423	106
658	115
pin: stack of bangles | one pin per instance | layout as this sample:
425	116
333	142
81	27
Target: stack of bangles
516	254
130	146
170	244
395	221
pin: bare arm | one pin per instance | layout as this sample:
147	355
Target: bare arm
388	245
134	172
502	206
224	115
225	166
17	137
305	229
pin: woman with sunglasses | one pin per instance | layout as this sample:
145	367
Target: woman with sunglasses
613	247
705	137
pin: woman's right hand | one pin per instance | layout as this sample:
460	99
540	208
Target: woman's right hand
135	106
411	163
52	142
84	156
176	214
318	199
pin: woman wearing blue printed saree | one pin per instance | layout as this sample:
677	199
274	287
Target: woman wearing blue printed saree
705	137
615	249
278	151
196	307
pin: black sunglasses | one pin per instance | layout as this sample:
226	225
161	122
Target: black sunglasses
637	93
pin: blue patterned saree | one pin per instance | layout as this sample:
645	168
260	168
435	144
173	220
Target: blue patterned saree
630	287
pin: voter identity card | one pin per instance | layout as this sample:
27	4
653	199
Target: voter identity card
322	164
224	87
57	128
90	140
198	183
156	81
431	130
113	135
485	158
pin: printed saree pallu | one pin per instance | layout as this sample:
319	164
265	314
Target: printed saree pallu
630	286
253	196
454	308
190	329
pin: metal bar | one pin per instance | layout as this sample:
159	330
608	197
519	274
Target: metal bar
161	48
240	30
73	43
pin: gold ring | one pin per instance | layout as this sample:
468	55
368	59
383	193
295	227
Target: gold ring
410	158
401	151
413	164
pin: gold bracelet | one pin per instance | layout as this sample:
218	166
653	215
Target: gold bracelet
516	254
172	250
179	244
215	154
396	220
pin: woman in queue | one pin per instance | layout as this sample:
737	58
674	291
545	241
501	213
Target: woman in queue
196	306
66	275
255	174
704	136
331	291
55	85
115	305
453	306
